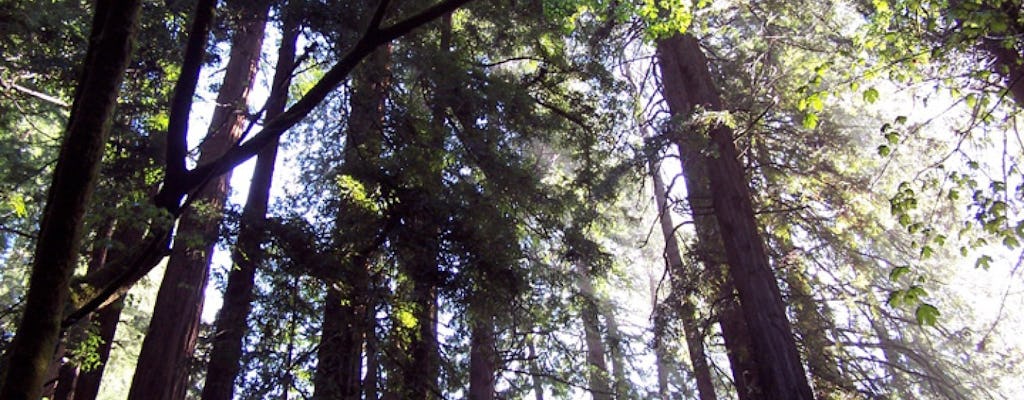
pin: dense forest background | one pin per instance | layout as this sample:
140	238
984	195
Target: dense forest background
511	199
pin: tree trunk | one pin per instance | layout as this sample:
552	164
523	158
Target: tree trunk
231	325
620	385
28	356
162	371
483	359
535	373
711	252
688	85
68	376
600	388
347	312
677	275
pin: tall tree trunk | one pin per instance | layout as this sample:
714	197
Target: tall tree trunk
348	314
370	382
535	373
688	85
231	325
682	295
483	359
28	356
162	371
600	388
711	252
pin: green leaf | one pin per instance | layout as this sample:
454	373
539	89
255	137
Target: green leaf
926	252
17	204
810	121
895	299
884	150
927	314
984	261
897	272
915	293
871	95
904	220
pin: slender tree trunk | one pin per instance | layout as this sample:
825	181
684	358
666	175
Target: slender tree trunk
28	356
535	373
620	385
600	388
688	85
677	275
162	371
370	382
231	325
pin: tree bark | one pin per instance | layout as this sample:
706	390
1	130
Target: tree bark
28	356
677	276
689	85
162	371
231	325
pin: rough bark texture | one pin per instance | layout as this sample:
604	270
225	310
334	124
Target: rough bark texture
162	371
27	357
231	325
677	275
689	85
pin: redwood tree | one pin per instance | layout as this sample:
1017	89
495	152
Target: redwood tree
688	88
231	325
162	371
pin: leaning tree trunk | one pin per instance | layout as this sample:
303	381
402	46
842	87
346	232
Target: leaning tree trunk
677	276
689	85
231	325
74	178
711	251
162	371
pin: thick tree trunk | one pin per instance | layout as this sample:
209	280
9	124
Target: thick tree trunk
483	357
711	252
231	325
677	275
28	356
688	85
162	371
